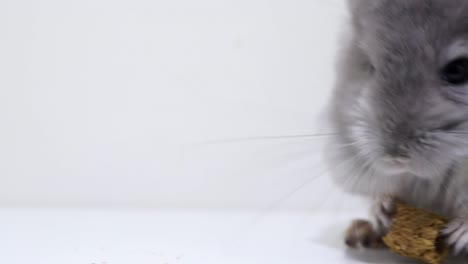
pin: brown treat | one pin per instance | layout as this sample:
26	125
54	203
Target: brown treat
415	234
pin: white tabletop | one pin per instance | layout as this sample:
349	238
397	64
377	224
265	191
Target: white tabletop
176	237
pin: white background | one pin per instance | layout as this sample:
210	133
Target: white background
112	103
130	120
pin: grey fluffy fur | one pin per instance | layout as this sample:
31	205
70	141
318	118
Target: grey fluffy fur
402	131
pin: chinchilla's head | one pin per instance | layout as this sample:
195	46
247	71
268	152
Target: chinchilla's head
401	101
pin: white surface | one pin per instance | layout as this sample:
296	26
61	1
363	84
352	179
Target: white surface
177	237
110	103
104	102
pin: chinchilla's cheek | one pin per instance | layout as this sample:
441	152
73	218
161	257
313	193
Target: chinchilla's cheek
461	151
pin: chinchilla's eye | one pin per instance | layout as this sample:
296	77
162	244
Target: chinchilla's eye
451	125
456	72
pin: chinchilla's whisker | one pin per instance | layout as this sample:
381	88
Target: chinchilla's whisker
297	189
355	171
316	177
446	188
358	171
259	138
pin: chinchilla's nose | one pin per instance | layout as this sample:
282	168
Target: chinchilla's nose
396	151
396	146
396	156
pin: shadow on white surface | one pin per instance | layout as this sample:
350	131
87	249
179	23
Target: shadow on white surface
377	257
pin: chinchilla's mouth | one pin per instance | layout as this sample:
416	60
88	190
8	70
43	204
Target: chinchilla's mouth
393	167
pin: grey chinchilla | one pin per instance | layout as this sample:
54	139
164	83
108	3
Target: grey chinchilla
400	111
